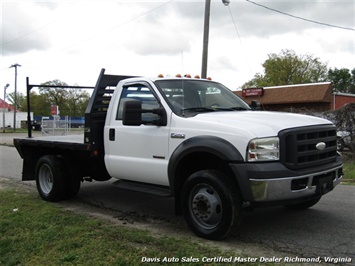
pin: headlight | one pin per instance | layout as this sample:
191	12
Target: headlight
263	149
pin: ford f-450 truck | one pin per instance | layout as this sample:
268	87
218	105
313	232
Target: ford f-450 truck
194	140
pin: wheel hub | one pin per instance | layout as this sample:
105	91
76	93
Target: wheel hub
45	179
206	206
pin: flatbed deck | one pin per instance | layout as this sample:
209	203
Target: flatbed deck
67	143
73	138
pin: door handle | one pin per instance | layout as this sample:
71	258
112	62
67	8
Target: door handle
112	134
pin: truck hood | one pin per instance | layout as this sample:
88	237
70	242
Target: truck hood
257	123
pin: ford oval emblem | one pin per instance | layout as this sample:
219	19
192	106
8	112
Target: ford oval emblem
321	146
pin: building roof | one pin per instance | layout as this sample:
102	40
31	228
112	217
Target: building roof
344	94
7	106
299	93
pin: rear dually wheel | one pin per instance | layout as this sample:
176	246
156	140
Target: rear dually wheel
50	178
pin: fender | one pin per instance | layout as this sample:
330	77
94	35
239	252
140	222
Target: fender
209	144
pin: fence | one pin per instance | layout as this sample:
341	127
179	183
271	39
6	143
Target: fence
55	126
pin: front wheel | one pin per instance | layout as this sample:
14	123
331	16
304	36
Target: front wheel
211	204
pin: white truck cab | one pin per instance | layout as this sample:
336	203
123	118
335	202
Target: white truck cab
173	131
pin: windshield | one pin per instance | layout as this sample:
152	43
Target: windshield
190	97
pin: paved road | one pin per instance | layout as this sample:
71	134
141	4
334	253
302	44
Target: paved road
326	230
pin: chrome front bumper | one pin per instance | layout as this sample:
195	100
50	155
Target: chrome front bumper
288	188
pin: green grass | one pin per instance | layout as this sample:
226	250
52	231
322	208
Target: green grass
349	172
11	130
34	232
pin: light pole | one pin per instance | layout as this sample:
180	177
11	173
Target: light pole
206	30
4	108
15	96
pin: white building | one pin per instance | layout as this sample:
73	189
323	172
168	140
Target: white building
8	116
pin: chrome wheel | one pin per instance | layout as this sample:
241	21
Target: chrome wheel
45	179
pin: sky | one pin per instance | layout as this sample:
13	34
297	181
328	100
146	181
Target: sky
73	40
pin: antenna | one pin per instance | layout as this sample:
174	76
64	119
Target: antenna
182	82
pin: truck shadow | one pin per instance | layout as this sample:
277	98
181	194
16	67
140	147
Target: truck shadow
308	232
313	232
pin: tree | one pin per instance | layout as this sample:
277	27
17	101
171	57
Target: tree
288	68
76	103
343	79
40	104
20	100
56	96
71	102
345	120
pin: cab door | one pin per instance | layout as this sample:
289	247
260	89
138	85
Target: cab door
137	153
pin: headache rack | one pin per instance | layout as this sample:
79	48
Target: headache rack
96	110
95	114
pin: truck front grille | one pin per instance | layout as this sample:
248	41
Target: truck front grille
308	146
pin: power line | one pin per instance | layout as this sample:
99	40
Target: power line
94	36
115	26
240	39
305	19
235	25
26	34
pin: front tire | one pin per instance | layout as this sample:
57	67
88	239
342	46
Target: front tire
211	204
50	178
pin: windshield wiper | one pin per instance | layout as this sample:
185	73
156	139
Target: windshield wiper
209	109
237	108
197	109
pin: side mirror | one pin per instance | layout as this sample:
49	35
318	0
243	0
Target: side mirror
132	115
162	117
255	105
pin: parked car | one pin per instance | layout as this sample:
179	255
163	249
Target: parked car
344	140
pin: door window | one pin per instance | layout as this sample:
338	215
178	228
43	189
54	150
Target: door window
144	94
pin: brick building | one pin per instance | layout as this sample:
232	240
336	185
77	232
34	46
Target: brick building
299	98
341	99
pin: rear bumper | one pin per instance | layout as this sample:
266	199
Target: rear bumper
273	183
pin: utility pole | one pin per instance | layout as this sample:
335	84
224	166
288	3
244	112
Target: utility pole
206	31
15	98
4	108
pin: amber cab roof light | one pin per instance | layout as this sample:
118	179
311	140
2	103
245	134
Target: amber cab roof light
185	76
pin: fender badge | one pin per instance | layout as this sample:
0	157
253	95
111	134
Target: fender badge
321	146
177	136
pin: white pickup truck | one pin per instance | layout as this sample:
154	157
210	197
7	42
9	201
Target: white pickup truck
194	140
